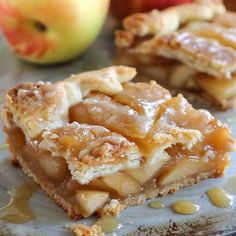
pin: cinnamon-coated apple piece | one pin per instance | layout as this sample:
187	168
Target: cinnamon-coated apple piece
122	183
89	201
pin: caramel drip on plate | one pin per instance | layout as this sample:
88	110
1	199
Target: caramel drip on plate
17	211
108	223
185	207
156	205
3	147
230	185
220	198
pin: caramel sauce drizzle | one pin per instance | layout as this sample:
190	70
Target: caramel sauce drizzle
108	223
156	205
220	198
18	211
185	207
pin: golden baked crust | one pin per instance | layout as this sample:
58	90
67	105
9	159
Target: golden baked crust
90	151
169	20
83	230
144	122
205	55
228	19
42	105
36	106
124	39
225	36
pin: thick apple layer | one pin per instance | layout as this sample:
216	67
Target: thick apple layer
84	200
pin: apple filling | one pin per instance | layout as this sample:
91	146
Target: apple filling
114	150
196	57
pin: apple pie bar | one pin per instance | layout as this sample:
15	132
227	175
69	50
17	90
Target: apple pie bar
189	48
97	142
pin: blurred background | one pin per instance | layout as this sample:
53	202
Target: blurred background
78	35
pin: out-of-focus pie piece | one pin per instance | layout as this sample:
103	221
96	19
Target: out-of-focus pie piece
227	19
226	36
169	20
179	47
106	143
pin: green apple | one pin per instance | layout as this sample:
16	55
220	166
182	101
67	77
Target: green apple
51	31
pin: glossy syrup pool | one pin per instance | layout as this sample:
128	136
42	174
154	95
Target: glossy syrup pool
156	205
220	197
18	211
185	207
109	223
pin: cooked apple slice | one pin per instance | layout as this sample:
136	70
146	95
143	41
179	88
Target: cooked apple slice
53	167
122	183
89	201
180	75
183	169
220	89
143	174
98	184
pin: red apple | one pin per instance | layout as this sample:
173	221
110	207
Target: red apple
121	9
51	31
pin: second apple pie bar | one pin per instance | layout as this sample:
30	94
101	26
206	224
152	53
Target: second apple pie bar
189	48
97	142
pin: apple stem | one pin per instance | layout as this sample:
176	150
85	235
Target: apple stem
40	26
